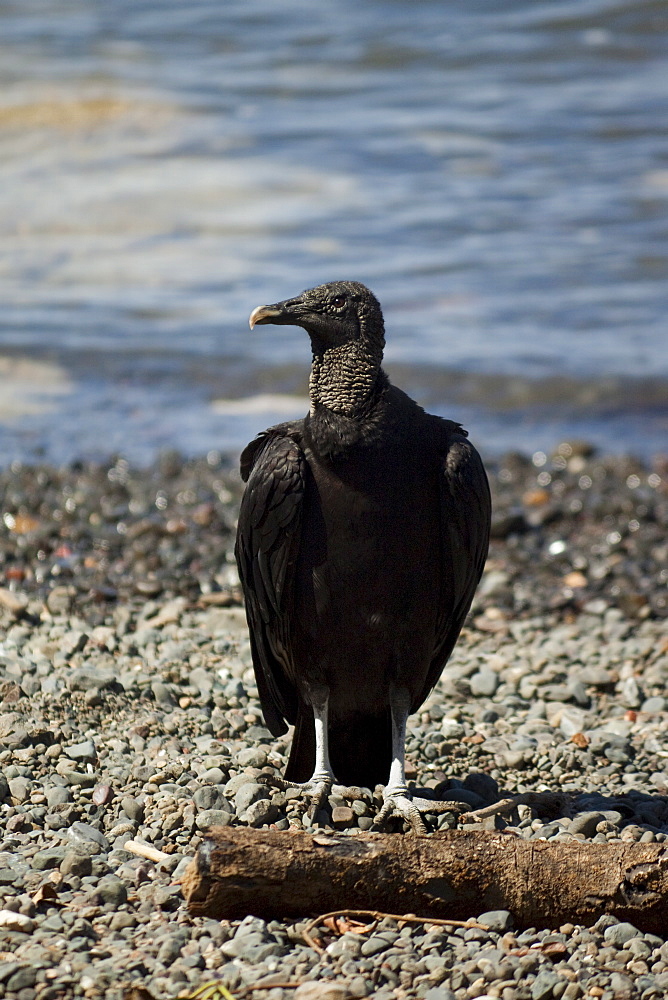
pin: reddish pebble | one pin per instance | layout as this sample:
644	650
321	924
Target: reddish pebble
102	794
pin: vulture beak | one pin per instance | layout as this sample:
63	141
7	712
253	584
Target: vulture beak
278	314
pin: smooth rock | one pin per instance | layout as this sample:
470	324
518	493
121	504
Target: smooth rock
249	793
82	751
84	834
586	823
252	757
543	985
260	813
496	920
10	921
213	817
76	864
484	683
618	934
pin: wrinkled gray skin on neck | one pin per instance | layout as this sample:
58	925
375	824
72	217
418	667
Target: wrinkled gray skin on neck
344	376
345	324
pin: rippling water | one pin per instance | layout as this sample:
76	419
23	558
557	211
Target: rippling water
498	174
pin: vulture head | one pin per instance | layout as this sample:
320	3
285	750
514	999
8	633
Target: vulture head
333	315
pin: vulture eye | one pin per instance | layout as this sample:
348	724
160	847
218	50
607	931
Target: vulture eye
338	301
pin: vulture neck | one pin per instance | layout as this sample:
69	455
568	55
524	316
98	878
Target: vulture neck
347	389
347	379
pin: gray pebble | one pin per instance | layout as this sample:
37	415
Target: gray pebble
572	720
235	783
452	729
621	985
654	706
90	678
618	934
19	789
249	793
543	985
76	864
133	809
162	694
22	979
213	817
211	797
52	857
170	949
259	733
484	683
496	920
630	695
483	785
439	993
82	751
84	834
617	755
112	890
82	778
121	920
586	823
261	812
374	945
252	757
57	796
8	969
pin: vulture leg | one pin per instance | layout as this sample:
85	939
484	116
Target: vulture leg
322	779
397	800
320	783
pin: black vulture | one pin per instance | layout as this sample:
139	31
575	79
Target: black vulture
363	533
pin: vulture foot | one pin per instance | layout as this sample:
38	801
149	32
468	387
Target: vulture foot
402	804
316	789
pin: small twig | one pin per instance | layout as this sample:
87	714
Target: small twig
407	918
145	851
505	806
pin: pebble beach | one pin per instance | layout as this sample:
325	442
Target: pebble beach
128	711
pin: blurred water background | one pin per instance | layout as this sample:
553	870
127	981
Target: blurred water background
496	173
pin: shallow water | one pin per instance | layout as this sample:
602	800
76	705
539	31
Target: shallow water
497	174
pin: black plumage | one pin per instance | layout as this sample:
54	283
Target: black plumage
362	535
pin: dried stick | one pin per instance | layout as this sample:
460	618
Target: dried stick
376	915
145	851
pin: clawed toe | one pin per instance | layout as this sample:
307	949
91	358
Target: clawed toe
404	806
316	789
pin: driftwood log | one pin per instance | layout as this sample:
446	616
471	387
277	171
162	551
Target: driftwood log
455	874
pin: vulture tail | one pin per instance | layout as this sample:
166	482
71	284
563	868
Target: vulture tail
360	749
301	762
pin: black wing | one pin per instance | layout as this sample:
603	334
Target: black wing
466	509
268	537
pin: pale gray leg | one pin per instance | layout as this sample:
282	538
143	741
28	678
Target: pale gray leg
397	800
320	783
322	773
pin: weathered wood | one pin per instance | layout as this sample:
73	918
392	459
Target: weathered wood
455	874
